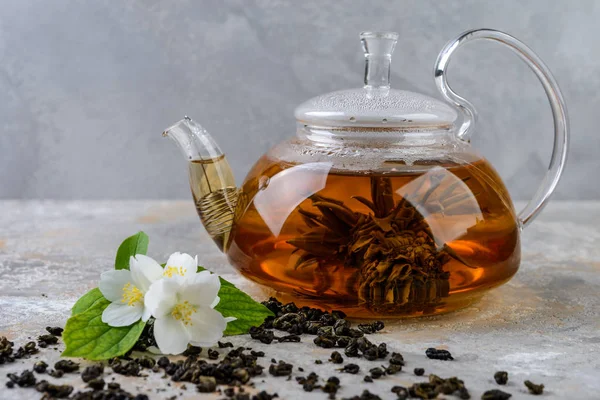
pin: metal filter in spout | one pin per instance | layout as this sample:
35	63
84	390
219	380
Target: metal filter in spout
211	179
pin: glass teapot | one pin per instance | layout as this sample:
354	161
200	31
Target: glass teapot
379	206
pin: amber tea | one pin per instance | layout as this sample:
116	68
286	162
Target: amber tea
420	240
215	196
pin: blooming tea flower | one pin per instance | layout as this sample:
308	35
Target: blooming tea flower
125	289
183	305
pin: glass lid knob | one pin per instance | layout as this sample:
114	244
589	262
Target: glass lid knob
378	48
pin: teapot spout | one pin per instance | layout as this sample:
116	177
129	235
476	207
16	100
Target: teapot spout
211	179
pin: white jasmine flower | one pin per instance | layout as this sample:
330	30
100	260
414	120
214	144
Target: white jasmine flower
183	306
180	264
125	289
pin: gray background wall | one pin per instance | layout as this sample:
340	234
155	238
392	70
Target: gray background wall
86	87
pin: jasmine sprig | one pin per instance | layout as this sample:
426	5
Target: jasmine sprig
190	305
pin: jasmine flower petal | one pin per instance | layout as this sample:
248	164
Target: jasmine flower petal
162	297
112	283
202	289
121	314
181	264
171	335
144	271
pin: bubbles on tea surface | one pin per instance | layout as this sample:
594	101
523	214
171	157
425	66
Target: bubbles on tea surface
373	156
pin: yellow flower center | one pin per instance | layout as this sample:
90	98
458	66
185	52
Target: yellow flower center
183	312
132	295
170	271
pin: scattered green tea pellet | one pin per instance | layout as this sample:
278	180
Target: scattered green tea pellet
376	373
372	327
351	368
146	362
92	372
56	373
397	359
163	362
281	369
46	340
54	330
309	383
392	369
331	386
126	367
419	371
26	379
365	395
401	392
265	336
192	351
438	354
496	394
213	354
96	384
336	358
533	388
206	384
501	377
436	385
66	366
54	391
40	367
325	342
463	394
289	338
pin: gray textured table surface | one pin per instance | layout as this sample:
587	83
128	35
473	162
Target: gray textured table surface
544	325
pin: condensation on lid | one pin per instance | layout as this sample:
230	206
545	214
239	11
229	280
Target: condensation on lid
376	104
376	107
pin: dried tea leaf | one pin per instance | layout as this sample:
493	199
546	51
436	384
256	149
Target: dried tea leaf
306	260
366	202
313	247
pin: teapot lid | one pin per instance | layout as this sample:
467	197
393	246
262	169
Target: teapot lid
376	104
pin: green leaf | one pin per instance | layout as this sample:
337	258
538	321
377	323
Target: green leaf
136	244
235	303
87	336
87	301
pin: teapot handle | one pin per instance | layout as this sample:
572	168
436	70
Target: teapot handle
559	110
